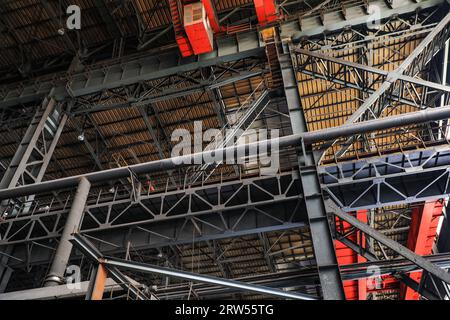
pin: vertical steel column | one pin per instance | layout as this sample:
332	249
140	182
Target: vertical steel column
29	164
97	283
348	252
324	251
361	215
422	232
62	255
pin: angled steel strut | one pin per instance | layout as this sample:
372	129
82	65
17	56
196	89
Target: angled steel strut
92	253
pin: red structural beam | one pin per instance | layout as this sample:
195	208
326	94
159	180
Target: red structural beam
353	289
422	232
266	11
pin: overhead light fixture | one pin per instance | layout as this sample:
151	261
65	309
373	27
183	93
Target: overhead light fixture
81	137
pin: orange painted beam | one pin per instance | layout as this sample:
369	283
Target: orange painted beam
99	283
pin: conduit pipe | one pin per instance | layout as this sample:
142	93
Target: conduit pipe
308	138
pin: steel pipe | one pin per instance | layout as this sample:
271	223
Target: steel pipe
145	268
308	138
62	255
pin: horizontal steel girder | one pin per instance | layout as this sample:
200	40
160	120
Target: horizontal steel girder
407	177
97	78
353	15
117	74
236	208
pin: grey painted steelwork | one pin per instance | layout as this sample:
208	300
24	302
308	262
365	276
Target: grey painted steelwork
172	93
411	66
29	164
57	292
119	73
400	269
404	177
36	148
350	16
308	138
211	212
350	73
62	254
93	254
229	207
251	109
324	252
306	276
141	267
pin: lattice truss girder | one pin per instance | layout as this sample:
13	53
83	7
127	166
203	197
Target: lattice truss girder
155	108
361	73
270	202
403	177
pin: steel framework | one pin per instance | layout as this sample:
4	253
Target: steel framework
389	149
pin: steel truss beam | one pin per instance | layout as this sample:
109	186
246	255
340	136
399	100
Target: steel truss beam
397	268
227	209
351	74
377	102
411	66
120	73
117	74
247	113
406	177
356	14
36	148
308	138
141	96
304	276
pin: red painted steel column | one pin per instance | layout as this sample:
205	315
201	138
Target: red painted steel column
97	285
354	289
422	232
266	10
361	215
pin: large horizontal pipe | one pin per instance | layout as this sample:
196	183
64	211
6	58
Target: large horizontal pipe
308	138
